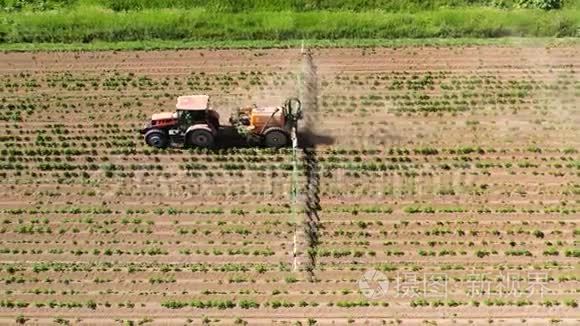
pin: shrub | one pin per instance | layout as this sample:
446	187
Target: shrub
174	304
247	304
91	304
21	320
540	4
551	252
573	253
482	253
419	303
522	252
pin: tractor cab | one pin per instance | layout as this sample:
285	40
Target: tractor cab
193	123
194	109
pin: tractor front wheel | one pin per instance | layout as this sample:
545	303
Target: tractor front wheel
275	138
156	138
201	138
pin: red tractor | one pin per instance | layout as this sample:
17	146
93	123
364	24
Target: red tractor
195	124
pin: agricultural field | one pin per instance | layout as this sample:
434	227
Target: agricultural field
444	189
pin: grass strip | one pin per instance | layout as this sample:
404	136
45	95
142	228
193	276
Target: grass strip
199	26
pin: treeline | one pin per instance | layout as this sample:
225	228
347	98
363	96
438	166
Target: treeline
236	6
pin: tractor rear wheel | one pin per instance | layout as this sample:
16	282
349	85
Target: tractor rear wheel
201	138
275	138
156	138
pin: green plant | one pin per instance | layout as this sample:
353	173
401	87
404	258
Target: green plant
540	4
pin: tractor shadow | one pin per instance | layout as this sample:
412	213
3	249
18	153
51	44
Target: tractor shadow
311	208
229	138
309	139
308	143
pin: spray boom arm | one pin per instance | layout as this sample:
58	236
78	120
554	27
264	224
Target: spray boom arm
292	111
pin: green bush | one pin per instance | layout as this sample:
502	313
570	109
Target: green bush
174	304
540	4
247	304
236	6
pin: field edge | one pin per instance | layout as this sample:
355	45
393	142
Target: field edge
152	45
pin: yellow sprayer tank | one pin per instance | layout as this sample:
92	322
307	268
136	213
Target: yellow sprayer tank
272	116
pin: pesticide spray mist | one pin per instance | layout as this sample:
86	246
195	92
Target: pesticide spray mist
311	189
309	93
311	134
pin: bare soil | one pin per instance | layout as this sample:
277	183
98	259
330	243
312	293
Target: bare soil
429	157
